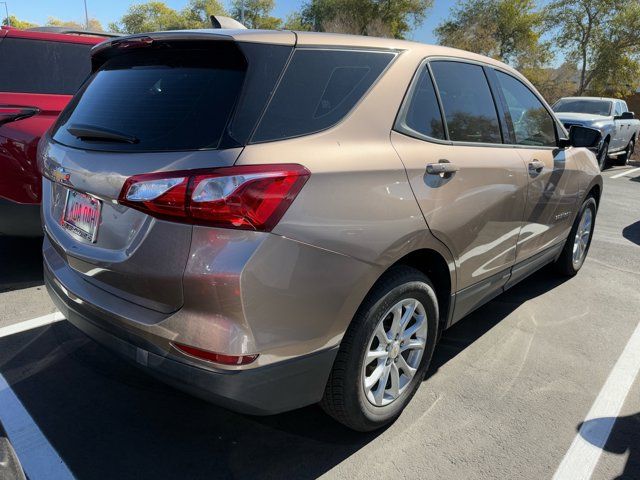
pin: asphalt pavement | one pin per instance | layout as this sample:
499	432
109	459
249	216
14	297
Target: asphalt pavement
507	394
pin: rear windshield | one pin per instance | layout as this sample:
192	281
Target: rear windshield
592	107
215	96
318	89
162	99
38	66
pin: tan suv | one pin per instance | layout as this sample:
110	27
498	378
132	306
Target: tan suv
273	219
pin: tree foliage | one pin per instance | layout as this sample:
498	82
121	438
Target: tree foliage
507	30
16	22
156	16
257	13
94	24
365	17
603	38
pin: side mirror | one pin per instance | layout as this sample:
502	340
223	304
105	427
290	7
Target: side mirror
625	116
584	137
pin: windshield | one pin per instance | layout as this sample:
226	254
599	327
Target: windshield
593	107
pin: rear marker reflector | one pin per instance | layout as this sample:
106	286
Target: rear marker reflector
215	357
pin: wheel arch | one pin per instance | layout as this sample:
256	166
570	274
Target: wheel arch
435	266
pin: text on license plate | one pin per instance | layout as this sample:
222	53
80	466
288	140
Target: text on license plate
81	215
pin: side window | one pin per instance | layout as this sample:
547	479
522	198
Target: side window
52	67
625	107
318	89
532	123
467	102
422	114
618	109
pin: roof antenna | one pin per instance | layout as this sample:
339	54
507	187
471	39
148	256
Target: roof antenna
218	21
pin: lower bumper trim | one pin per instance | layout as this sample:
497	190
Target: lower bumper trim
267	390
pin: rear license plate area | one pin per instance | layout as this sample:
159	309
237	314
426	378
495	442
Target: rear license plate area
81	215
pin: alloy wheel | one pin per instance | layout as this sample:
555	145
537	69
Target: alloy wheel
394	353
581	240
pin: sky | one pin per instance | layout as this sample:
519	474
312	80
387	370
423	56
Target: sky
37	11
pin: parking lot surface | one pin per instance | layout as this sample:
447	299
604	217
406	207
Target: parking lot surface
508	391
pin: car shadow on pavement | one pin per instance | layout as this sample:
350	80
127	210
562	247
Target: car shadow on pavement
622	439
632	232
20	263
461	335
106	419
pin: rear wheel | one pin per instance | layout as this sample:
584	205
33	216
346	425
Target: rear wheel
579	240
626	156
602	155
385	352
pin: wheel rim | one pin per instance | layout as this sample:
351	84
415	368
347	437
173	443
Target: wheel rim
581	240
394	352
603	155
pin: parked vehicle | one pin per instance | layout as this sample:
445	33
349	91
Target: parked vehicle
268	219
41	69
619	127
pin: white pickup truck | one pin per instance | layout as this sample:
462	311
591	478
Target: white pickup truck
619	127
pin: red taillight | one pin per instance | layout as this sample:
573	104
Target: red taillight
251	197
215	357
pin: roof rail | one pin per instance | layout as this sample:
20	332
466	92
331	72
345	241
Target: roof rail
73	31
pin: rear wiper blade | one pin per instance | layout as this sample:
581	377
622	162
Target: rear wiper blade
92	132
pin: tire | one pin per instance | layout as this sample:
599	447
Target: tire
602	155
626	156
346	397
566	264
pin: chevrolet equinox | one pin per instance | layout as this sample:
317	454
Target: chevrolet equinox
271	219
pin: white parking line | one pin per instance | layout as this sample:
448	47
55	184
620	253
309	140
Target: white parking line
29	324
626	172
38	457
580	460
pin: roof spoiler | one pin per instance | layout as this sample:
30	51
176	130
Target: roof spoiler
218	21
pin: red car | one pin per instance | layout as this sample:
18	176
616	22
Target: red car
41	70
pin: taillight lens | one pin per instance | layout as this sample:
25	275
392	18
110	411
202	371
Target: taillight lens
251	197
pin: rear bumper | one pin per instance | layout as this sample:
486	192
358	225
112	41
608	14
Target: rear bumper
266	390
20	219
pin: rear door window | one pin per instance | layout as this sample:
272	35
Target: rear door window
467	102
422	113
532	123
318	89
38	66
162	99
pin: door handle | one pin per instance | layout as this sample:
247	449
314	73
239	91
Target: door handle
443	167
535	166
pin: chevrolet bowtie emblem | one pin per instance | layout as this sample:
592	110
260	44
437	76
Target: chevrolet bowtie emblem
60	175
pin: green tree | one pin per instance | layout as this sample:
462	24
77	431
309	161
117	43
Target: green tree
602	37
149	17
198	13
157	16
257	13
295	21
15	22
365	17
507	30
94	24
